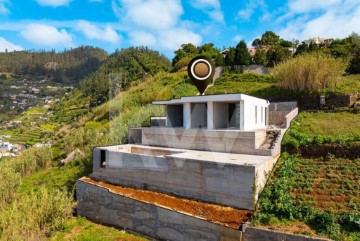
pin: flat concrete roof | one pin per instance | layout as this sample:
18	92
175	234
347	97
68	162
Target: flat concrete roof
206	98
206	156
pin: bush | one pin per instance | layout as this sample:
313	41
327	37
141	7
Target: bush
34	215
309	72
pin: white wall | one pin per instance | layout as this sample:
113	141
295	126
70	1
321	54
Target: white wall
250	108
198	115
221	115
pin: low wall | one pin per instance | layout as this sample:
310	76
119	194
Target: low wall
103	206
258	234
282	113
241	142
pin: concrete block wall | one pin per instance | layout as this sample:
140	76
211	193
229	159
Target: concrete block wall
241	142
226	184
103	206
258	234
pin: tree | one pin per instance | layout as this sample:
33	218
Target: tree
277	54
270	38
286	43
230	57
242	56
186	50
256	43
260	57
302	48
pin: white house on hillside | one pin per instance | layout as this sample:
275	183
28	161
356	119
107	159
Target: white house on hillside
229	111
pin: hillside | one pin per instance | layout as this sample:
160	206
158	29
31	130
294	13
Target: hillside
67	67
89	117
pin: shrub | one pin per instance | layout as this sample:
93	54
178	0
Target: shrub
34	215
309	72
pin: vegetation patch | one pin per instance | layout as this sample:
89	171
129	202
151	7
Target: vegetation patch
322	194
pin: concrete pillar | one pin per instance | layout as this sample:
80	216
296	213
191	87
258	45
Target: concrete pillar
187	115
242	117
210	115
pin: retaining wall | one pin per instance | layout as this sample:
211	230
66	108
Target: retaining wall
216	182
258	234
103	206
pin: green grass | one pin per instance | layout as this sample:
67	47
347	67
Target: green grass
348	84
262	86
321	123
80	229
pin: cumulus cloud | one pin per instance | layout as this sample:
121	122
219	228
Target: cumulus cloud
141	38
211	7
4	10
155	23
53	3
42	34
107	34
8	46
174	38
253	5
333	19
152	14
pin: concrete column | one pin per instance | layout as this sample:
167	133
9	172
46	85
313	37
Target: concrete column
266	116
242	117
187	115
210	115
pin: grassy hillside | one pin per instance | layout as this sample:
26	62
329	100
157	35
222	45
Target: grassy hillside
91	116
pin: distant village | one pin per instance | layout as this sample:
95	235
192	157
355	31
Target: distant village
24	94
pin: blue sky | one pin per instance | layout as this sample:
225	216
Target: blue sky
164	25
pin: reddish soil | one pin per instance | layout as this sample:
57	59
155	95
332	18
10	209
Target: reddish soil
226	216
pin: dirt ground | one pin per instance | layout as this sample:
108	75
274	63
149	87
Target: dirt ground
227	216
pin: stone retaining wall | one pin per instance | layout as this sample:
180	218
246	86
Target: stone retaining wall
102	206
258	234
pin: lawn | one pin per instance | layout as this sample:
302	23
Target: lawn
321	123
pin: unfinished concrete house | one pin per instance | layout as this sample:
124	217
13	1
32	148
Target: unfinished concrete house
212	150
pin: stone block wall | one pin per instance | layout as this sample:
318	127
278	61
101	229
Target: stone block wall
258	234
102	206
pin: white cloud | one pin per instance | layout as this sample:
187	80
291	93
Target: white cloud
140	38
156	23
253	5
174	38
6	45
151	14
107	34
336	20
42	34
301	6
211	7
4	10
53	3
237	38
